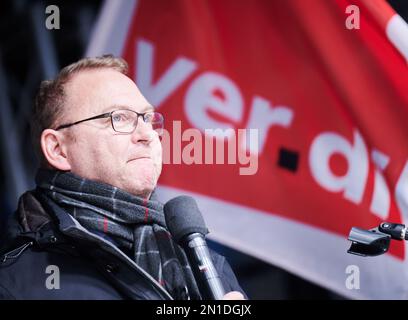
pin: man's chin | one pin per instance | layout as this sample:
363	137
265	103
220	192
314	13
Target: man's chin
143	187
142	192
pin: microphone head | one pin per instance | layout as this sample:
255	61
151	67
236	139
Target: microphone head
183	218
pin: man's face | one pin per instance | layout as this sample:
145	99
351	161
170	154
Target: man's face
132	161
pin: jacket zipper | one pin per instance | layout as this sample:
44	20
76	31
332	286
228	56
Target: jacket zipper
15	253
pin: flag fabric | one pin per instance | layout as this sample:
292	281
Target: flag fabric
324	87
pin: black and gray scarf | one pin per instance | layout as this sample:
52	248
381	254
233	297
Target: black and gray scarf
134	224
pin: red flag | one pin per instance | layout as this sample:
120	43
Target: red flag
325	85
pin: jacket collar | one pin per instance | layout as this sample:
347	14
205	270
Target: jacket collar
29	222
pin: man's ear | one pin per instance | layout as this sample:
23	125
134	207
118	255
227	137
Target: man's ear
53	149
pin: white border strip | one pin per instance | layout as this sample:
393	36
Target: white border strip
111	29
397	33
309	252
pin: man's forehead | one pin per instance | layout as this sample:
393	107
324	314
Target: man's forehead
105	90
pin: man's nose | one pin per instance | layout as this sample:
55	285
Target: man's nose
143	132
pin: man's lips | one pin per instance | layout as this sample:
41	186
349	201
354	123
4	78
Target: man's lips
139	157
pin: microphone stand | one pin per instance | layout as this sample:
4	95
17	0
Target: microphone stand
376	241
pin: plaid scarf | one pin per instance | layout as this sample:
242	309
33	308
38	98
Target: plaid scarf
133	224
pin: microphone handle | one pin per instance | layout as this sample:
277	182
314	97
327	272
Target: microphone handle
203	267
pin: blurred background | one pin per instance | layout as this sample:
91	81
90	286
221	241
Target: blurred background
30	53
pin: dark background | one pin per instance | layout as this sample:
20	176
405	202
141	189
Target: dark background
30	53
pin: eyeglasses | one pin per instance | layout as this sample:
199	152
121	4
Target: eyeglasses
125	121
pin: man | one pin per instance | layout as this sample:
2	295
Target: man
93	228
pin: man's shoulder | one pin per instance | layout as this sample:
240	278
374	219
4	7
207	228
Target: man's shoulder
23	271
33	273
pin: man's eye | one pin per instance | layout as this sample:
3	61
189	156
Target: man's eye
118	117
148	117
153	117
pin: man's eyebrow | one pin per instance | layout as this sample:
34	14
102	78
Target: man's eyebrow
148	108
119	106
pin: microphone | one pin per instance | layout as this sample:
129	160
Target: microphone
187	226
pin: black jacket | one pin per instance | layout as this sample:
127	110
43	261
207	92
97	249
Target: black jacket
37	245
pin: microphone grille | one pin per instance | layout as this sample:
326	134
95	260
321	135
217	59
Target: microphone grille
183	217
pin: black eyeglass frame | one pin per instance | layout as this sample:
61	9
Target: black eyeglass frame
109	115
